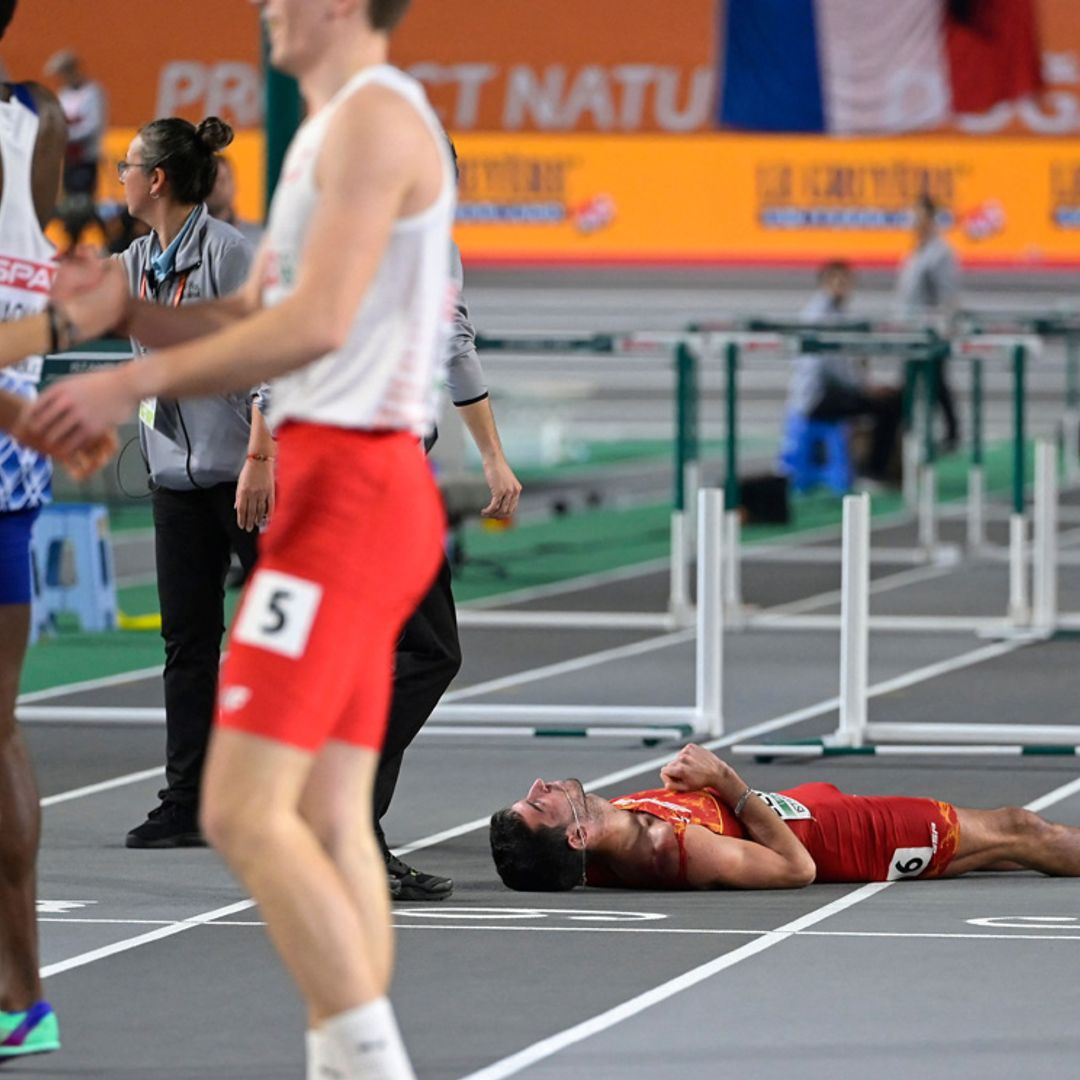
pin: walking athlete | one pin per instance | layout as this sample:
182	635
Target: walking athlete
343	312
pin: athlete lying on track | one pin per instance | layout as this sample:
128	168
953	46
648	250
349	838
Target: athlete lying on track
707	829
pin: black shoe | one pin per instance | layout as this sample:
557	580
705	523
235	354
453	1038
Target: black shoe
414	885
170	825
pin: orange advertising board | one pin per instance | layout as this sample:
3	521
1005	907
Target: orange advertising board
612	66
739	199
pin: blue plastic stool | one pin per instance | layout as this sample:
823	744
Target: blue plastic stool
73	567
816	452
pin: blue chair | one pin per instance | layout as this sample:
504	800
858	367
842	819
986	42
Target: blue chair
816	452
73	567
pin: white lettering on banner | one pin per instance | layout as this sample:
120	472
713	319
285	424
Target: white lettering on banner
228	87
24	274
504	914
278	613
624	97
1028	922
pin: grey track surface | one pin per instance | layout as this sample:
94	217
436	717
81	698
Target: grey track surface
900	984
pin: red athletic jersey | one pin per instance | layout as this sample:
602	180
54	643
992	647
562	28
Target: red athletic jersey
852	838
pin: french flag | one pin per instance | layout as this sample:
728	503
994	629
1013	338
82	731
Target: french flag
872	66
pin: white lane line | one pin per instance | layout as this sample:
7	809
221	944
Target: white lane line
1055	796
105	785
678	931
159	934
90	684
564	667
545	1048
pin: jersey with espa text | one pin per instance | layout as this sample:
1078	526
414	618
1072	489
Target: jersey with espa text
27	269
851	838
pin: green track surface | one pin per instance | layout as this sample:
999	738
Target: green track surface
529	554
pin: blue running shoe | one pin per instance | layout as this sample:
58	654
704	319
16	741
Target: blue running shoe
35	1031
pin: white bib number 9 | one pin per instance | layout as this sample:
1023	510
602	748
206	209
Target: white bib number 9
909	862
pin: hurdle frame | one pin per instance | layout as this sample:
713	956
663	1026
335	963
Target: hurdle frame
856	733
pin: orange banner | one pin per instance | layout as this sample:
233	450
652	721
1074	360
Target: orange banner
737	199
613	66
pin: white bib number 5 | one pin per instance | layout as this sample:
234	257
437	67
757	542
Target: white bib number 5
278	613
909	862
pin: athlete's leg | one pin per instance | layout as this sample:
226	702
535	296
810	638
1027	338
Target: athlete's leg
310	912
335	803
1013	838
20	827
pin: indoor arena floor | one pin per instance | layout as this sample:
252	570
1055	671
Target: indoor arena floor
160	968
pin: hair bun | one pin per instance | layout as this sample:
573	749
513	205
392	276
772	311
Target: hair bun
214	134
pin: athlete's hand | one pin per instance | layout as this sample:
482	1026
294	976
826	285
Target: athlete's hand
505	489
83	463
254	494
694	768
77	272
93	296
75	414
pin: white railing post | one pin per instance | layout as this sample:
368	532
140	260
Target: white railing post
709	659
1044	549
854	620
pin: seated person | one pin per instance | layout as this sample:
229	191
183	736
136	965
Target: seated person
707	829
830	386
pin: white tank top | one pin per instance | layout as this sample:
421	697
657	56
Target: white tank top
26	273
387	373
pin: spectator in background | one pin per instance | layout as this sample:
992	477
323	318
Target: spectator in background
830	386
210	458
221	202
84	105
928	290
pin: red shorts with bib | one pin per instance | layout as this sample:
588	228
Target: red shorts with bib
354	544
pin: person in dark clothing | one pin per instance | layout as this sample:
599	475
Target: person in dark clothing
210	459
428	655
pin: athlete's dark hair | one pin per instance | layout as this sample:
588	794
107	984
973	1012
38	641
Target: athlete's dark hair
7	10
530	860
386	14
187	154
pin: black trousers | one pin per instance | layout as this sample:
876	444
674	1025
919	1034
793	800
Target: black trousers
840	402
195	533
428	657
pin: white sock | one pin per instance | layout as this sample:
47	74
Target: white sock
365	1042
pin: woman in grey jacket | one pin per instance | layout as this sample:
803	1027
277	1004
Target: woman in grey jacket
210	459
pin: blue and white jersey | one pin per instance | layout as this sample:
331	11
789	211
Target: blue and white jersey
27	269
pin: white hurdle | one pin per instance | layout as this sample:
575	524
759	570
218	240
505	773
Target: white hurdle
703	719
856	733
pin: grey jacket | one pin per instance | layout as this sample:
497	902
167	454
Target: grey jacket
464	376
929	281
202	441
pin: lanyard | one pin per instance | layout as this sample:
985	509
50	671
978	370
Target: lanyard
181	285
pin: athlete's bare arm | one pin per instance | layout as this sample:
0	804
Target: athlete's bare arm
160	326
773	859
379	163
49	150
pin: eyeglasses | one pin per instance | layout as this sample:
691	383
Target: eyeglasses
581	837
123	167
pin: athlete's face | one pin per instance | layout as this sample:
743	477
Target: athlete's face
300	31
548	804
